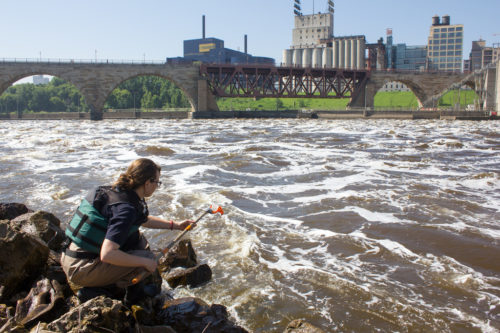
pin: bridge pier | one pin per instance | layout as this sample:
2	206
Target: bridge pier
206	100
489	92
95	113
366	97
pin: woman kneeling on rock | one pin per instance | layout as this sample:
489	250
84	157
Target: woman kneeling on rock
107	250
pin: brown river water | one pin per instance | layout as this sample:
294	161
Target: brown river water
354	225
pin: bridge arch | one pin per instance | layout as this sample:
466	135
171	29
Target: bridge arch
186	92
72	99
5	84
412	86
425	85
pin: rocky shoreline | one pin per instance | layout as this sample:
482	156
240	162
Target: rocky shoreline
35	295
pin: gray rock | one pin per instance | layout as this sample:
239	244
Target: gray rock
42	301
43	225
96	315
9	211
192	277
181	255
23	258
191	314
301	326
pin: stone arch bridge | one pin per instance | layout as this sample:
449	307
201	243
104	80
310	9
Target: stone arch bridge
96	81
428	87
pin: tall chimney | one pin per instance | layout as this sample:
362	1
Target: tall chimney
203	25
246	44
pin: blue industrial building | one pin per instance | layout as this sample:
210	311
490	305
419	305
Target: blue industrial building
404	57
410	57
212	50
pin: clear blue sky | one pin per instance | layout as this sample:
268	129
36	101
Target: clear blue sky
155	29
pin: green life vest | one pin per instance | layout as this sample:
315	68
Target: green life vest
88	226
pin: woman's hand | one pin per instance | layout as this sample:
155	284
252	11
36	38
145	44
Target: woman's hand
183	225
150	264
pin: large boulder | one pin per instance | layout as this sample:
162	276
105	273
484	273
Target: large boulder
43	225
9	211
191	314
192	277
100	314
180	255
302	326
43	303
23	259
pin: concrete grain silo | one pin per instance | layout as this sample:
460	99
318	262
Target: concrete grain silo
297	57
317	55
307	58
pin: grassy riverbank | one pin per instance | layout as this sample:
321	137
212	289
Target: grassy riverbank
403	99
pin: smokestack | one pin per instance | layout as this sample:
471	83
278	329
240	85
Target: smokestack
203	26
246	44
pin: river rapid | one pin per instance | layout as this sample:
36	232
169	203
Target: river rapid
353	225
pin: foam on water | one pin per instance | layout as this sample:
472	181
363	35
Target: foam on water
324	219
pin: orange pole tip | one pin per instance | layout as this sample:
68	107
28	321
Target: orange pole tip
218	210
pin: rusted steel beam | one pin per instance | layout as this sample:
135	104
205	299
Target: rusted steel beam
284	82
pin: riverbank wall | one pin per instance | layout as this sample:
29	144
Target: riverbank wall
311	114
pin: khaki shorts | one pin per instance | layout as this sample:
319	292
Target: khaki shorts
95	273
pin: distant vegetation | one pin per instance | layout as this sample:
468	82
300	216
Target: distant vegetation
55	96
147	92
151	92
143	92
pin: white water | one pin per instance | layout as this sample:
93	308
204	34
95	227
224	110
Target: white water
353	225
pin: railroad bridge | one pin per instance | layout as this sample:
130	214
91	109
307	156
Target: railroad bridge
202	83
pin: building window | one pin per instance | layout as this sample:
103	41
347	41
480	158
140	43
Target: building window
460	29
451	34
443	35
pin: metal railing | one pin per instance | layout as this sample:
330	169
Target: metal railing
83	61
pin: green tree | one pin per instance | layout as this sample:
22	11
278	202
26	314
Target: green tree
57	104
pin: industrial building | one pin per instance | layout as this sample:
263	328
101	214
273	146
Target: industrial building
481	55
404	57
445	45
314	44
212	50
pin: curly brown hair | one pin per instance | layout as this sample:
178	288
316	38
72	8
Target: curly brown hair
139	171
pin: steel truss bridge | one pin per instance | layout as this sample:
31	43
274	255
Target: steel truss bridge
270	81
